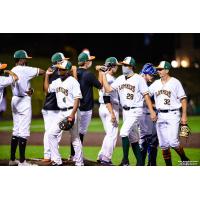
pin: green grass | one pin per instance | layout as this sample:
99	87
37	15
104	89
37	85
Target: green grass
37	125
92	152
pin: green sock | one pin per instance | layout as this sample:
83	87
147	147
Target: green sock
125	146
136	150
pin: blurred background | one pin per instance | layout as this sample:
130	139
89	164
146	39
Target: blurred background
181	50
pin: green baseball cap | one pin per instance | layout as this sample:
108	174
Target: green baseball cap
57	57
66	64
85	56
129	61
112	60
164	65
21	54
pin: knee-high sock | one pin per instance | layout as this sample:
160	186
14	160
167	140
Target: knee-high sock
22	149
72	150
125	146
152	156
14	143
81	137
167	157
136	150
179	150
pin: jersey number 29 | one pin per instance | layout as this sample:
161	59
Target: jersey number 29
129	96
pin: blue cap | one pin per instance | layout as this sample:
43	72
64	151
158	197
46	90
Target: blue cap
148	68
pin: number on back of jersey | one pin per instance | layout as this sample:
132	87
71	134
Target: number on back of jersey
130	96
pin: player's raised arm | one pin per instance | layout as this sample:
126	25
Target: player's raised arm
46	80
41	71
15	77
107	87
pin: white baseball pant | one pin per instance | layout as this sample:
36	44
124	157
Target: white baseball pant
53	134
85	118
111	131
22	113
167	129
130	126
49	116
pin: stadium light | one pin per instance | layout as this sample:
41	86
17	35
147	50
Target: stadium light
184	63
174	64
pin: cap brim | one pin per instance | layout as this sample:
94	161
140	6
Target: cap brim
91	58
124	63
28	57
66	58
3	66
159	67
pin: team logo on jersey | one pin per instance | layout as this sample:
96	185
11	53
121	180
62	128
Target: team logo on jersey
127	86
61	89
165	92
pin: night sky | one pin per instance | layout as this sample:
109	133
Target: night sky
143	47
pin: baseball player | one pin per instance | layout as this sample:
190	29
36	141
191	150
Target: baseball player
170	99
68	95
131	88
50	108
109	113
148	135
6	81
87	81
21	105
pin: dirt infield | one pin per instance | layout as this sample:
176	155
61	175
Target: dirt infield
91	139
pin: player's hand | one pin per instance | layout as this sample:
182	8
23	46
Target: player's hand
49	71
101	68
72	116
98	67
8	72
114	120
153	116
30	92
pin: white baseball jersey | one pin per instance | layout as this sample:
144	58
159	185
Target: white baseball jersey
66	91
25	74
131	90
4	82
167	96
114	97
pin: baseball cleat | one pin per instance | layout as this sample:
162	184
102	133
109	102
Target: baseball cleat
124	163
106	163
56	164
26	164
13	163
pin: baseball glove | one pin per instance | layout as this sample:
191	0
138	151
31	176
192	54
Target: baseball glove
184	130
66	124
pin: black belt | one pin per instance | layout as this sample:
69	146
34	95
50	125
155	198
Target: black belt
66	109
166	111
19	96
128	108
